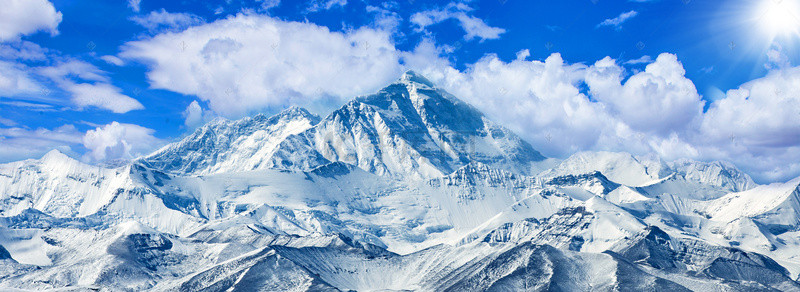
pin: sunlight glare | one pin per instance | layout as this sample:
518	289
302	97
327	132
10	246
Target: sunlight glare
778	17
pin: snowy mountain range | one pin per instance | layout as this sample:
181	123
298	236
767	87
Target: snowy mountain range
405	189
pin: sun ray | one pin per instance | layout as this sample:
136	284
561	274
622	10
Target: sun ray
778	18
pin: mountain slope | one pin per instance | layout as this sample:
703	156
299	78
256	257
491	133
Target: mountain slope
409	129
776	205
226	146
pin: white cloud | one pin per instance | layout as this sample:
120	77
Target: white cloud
658	100
107	142
113	60
385	18
22	50
134	5
617	22
641	60
756	126
473	26
24	17
776	58
41	107
196	116
7	122
89	87
101	95
193	114
319	5
760	114
539	100
119	141
157	20
657	110
15	80
266	4
523	54
18	143
249	62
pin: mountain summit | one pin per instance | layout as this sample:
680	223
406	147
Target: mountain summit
408	129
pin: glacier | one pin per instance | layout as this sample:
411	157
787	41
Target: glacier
409	188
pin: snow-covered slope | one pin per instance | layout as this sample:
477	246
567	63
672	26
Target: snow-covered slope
719	174
409	129
774	205
686	178
405	189
229	146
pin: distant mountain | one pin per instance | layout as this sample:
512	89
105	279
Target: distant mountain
690	179
405	189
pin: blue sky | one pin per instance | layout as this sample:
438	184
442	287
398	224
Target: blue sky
706	80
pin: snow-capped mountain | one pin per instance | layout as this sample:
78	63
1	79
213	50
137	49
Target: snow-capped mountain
409	129
405	189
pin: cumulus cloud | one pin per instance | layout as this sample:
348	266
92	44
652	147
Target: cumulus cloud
473	26
760	116
19	142
24	17
158	20
193	114
538	99
617	22
119	141
250	62
196	116
658	110
89	87
658	100
107	142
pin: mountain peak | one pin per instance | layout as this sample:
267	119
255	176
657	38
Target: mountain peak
295	110
411	76
408	129
56	158
291	112
54	154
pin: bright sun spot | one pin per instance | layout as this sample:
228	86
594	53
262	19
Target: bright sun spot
778	17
